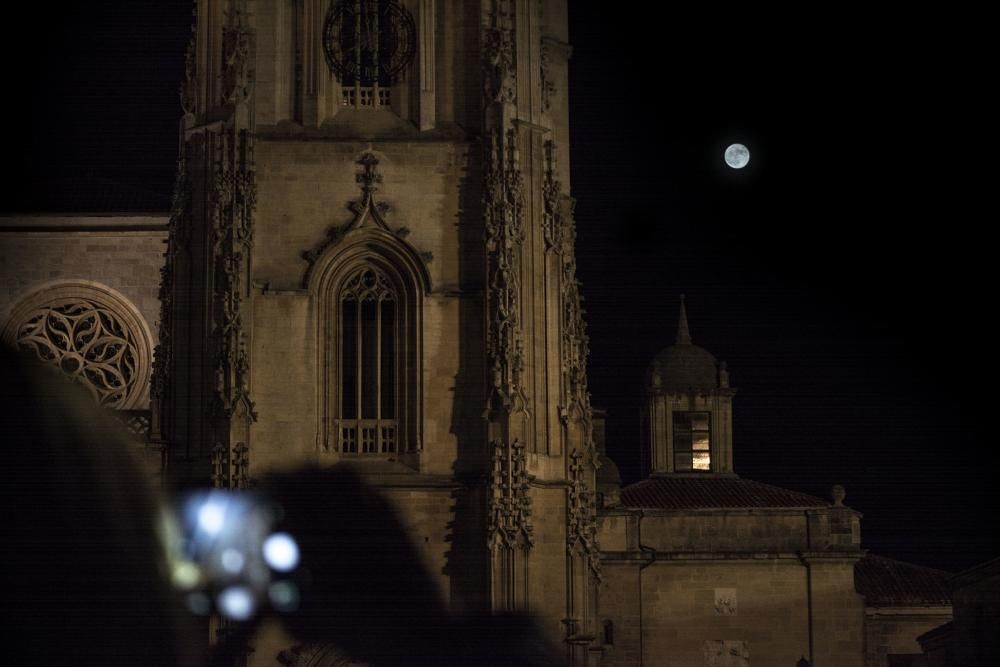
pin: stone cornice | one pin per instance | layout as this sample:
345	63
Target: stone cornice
85	222
812	557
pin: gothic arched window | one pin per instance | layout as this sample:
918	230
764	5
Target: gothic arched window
369	333
369	290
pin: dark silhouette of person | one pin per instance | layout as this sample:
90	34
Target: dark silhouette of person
85	573
367	590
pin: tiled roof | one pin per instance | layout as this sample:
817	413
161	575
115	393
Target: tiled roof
712	493
883	581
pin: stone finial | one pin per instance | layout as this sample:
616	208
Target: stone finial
368	178
683	335
723	375
838	493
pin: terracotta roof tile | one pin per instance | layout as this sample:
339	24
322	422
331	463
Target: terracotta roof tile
712	492
883	581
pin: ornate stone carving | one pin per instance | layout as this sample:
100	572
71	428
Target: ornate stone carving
581	534
189	86
230	466
367	212
237	73
368	284
240	467
162	352
89	343
178	229
220	466
559	232
499	64
136	422
552	218
576	345
545	75
385	44
725	601
509	503
233	201
503	204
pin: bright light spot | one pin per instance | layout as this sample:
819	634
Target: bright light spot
211	516
284	595
185	575
236	602
737	156
281	552
199	603
232	561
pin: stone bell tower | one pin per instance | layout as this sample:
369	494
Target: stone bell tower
688	415
371	261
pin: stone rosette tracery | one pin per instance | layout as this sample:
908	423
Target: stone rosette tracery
93	335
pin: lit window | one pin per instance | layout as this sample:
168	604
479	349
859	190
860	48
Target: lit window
369	362
692	441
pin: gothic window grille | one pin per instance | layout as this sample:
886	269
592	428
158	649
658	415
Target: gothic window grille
692	441
369	328
368	43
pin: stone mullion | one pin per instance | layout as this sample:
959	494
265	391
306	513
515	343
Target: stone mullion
427	62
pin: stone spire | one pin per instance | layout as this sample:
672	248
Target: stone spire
683	335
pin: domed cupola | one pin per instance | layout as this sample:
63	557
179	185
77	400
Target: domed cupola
688	412
683	366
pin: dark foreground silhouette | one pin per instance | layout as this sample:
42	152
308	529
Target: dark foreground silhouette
84	573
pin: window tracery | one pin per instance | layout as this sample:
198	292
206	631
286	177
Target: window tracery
369	285
91	336
368	44
369	335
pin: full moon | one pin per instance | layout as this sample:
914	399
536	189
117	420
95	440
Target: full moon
737	156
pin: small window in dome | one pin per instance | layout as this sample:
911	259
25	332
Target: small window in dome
692	441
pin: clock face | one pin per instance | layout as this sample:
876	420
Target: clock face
368	42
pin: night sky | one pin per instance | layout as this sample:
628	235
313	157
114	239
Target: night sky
843	275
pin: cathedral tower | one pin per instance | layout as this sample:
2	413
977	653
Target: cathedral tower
371	260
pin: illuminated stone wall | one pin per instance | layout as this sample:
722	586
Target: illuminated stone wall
455	186
707	586
115	258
